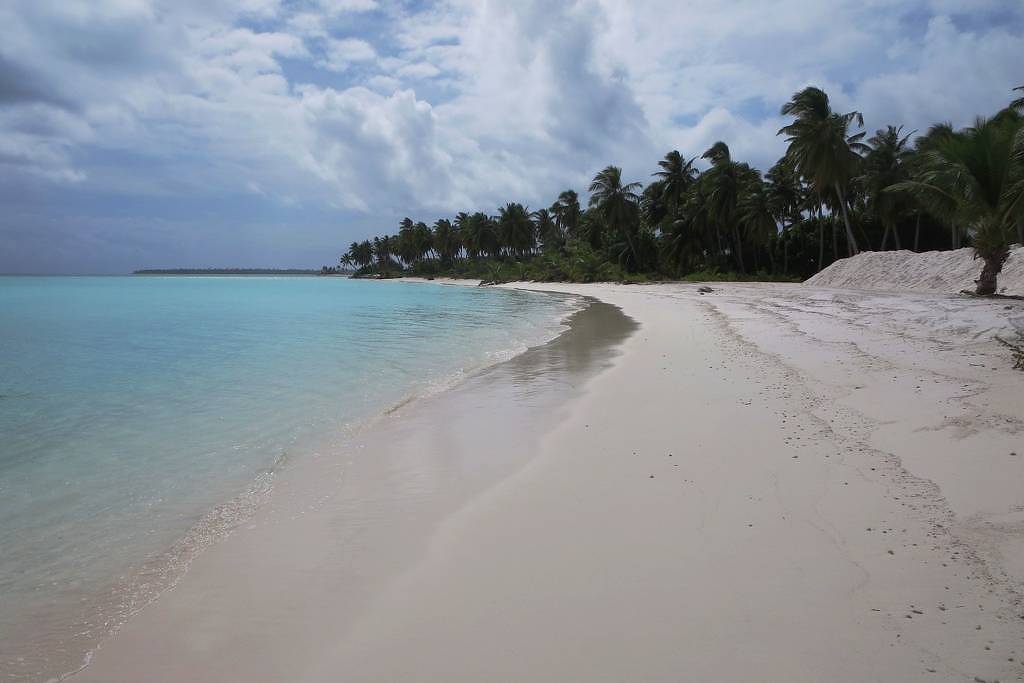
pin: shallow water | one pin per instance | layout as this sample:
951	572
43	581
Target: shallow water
143	416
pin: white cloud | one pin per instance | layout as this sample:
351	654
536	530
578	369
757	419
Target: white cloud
382	109
341	54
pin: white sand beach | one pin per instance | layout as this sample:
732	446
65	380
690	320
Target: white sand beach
766	482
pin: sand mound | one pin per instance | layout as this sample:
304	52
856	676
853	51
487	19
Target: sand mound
933	271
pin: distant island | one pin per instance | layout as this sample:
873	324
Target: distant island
228	271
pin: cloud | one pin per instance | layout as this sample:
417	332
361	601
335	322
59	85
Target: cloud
369	110
342	54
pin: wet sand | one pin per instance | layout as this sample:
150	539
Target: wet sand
343	524
765	483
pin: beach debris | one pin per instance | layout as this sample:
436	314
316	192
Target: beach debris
1017	351
705	290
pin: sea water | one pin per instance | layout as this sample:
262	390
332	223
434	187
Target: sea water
142	416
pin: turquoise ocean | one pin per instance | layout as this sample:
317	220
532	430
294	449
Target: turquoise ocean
141	416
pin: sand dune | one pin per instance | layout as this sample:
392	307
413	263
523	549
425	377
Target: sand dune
934	271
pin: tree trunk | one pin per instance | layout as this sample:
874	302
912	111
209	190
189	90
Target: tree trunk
821	243
885	238
896	236
986	283
738	247
851	241
917	233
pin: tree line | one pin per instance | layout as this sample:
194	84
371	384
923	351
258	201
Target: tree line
835	192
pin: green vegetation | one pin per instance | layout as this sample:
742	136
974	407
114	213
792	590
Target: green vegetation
831	195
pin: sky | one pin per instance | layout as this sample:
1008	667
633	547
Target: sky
271	133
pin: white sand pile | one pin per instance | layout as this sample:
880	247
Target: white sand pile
935	271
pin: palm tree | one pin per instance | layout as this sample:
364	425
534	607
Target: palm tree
516	230
359	254
567	213
1018	103
445	240
822	147
725	182
885	165
405	245
676	177
383	251
976	176
756	213
617	205
550	234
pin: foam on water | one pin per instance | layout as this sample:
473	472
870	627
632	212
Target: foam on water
143	418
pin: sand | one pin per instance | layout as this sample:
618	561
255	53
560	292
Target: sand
950	271
768	482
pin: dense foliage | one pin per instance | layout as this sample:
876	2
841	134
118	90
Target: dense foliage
833	194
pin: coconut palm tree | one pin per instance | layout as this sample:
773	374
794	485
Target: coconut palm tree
676	177
547	230
976	175
885	165
617	206
822	147
516	230
756	213
445	240
724	183
1018	103
567	213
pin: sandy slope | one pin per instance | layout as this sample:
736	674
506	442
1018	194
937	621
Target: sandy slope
931	271
771	483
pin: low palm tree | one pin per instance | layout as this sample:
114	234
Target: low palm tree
976	176
822	147
617	205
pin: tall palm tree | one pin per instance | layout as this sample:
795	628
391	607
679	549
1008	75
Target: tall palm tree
567	213
676	177
756	213
822	147
515	229
617	206
884	165
423	240
446	240
725	182
383	252
547	230
976	175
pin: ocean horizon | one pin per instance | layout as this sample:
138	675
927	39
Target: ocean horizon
145	416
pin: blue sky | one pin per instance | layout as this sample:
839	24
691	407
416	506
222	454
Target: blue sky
146	133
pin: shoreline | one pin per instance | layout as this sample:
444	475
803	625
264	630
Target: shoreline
347	487
768	482
117	602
